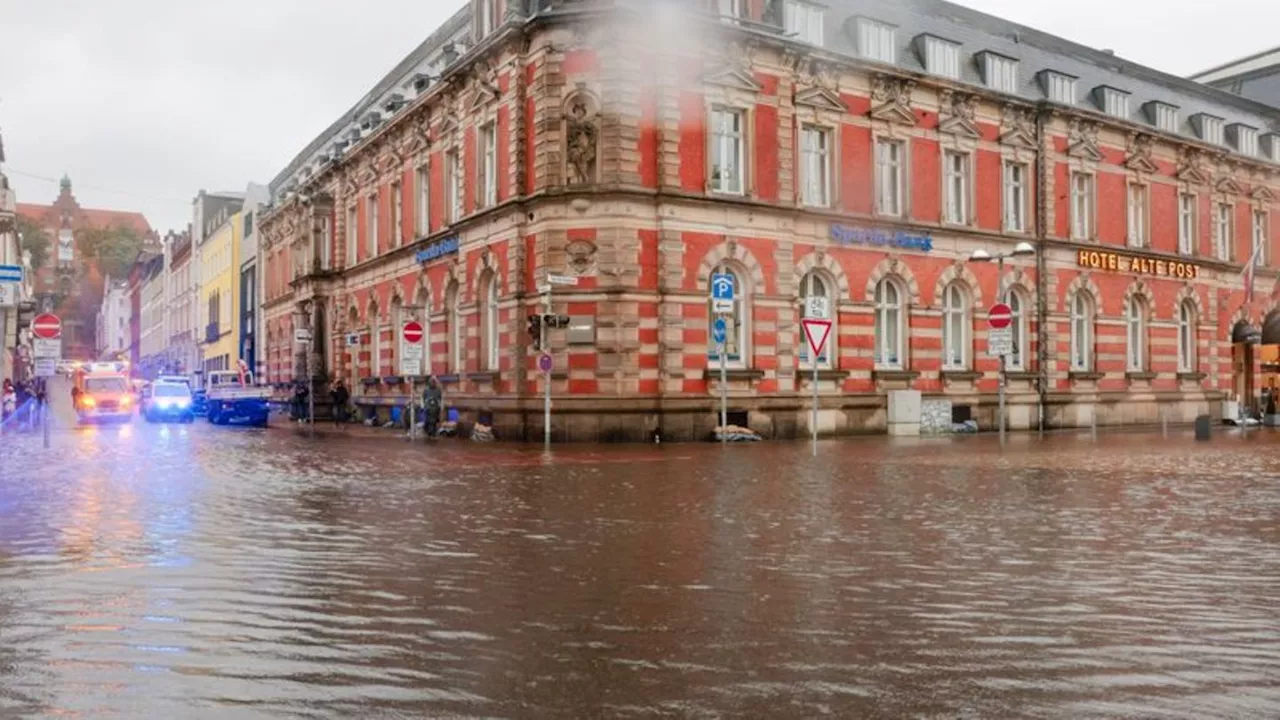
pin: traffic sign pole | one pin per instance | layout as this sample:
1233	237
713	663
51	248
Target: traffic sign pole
1000	295
546	377
817	330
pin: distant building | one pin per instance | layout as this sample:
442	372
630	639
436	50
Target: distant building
205	207
152	339
112	336
1256	77
182	353
14	294
219	283
256	198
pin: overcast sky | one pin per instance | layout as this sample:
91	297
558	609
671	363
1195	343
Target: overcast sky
144	102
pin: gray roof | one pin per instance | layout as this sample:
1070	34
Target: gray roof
1036	51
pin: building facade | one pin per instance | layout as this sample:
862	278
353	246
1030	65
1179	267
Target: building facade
219	285
182	355
13	294
153	340
256	198
1256	77
206	206
858	151
113	321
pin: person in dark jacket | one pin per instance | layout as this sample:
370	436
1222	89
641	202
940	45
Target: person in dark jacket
300	393
432	398
340	396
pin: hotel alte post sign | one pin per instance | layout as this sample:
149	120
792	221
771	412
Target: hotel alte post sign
1119	262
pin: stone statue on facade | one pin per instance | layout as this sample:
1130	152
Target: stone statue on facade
582	138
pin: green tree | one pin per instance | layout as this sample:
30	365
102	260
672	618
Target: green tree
36	240
114	248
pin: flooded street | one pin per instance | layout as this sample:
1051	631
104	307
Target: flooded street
192	572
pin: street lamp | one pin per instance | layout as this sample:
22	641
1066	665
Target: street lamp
1022	249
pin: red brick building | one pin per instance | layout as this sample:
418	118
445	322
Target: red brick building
861	151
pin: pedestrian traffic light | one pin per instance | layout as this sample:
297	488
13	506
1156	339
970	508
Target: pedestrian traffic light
535	331
552	320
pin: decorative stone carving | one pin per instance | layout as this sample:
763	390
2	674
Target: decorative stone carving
732	69
957	113
484	85
1017	126
582	136
1139	153
1191	166
891	99
1082	139
1225	178
580	256
817	86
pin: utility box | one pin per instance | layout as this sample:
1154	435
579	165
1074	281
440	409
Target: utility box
904	412
582	330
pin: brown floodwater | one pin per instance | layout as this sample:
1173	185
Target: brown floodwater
193	571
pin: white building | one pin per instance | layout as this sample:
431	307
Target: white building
182	352
153	341
113	319
256	198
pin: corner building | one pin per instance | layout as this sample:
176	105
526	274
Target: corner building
858	150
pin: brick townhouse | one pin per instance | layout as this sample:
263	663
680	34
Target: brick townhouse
858	150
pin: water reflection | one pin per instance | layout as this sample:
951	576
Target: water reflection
191	571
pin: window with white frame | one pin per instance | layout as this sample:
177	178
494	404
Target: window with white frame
1137	215
453	188
815	284
326	243
876	41
955	327
422	180
488	181
1017	361
371	215
890	328
736	334
889	181
1186	337
1060	88
1115	102
1210	128
353	243
1136	326
1225	234
815	159
1081	332
1082	200
955	187
397	215
942	57
1260	245
1246	140
491	323
1015	196
453	320
1166	117
1000	72
1186	223
804	21
728	132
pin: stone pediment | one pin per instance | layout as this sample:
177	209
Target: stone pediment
1082	140
958	114
1139	153
1191	167
1017	127
1228	185
891	100
1263	193
732	78
821	98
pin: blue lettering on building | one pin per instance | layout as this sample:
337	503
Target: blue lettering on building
847	235
438	249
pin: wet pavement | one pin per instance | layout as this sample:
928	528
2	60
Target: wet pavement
192	572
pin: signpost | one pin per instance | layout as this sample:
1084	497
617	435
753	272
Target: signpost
11	273
545	362
412	351
722	304
816	332
46	351
1000	342
722	293
302	336
46	326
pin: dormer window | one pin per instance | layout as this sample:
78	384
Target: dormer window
371	121
1059	87
1208	127
876	41
1243	138
1163	116
941	57
1113	101
1271	146
487	17
999	72
803	21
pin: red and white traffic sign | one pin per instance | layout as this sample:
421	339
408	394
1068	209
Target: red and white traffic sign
412	332
816	331
1000	316
46	326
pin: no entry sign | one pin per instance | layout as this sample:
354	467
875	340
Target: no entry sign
412	331
46	326
999	316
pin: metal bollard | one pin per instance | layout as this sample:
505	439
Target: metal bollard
1164	422
1202	427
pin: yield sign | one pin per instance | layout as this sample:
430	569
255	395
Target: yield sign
816	331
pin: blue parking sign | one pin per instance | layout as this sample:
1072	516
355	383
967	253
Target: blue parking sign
718	329
722	286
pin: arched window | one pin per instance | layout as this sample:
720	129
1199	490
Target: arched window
1186	337
955	327
453	320
816	285
490	320
375	340
1136	327
1018	309
423	303
890	322
1081	332
737	324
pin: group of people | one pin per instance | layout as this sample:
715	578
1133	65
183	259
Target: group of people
340	396
23	400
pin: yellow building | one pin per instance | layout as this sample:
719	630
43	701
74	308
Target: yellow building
220	293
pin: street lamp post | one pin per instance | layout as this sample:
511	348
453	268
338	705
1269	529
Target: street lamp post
980	255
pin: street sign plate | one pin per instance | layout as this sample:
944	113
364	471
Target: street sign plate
562	280
722	307
816	331
722	286
302	335
718	330
46	325
999	316
46	348
817	307
1000	341
353	339
545	363
46	367
8	294
10	273
412	349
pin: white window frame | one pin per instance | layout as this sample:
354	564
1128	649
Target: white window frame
1060	88
1186	337
1246	141
1212	129
890	167
956	183
1224	230
1115	102
422	179
1260	238
371	217
1000	73
804	21
957	329
453	188
1015	196
890	325
1082	318
1166	117
826	359
1017	302
815	154
491	333
488	165
1187	223
353	235
738	324
397	214
941	57
1136	334
1139	215
1083	203
727	135
877	41
453	320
